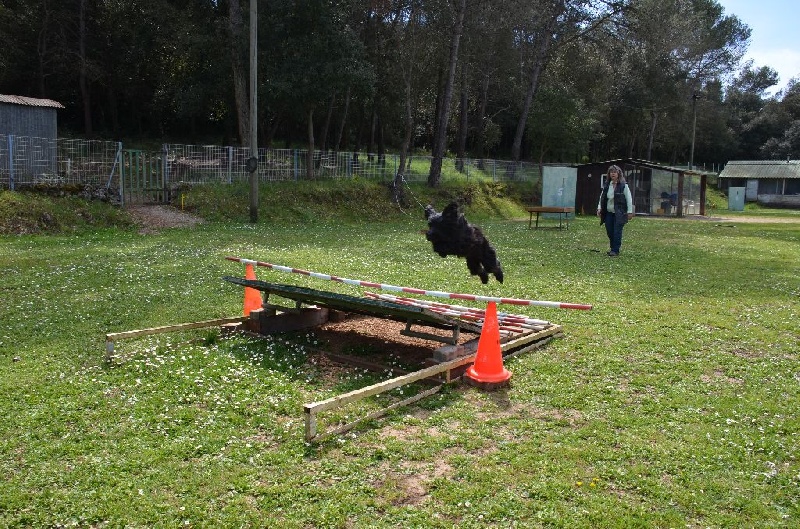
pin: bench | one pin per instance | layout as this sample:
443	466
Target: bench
562	212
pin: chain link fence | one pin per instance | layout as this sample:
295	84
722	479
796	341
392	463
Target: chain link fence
107	168
199	164
43	162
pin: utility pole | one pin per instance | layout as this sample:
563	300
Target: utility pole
695	97
252	162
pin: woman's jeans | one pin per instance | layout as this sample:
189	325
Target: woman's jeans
614	231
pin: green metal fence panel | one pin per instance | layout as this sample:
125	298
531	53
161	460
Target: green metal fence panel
144	181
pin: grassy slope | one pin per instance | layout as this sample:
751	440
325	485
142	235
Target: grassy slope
350	201
28	213
671	403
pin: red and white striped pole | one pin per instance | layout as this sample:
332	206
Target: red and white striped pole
509	322
408	290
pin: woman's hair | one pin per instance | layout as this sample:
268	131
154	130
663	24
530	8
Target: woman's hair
619	172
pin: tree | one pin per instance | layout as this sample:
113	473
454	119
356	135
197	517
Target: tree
443	114
538	37
664	54
784	112
519	78
746	100
238	46
313	52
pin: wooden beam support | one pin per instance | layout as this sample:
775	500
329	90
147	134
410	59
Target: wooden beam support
311	410
112	337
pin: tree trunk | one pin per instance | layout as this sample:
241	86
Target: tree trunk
381	144
632	144
372	124
397	186
338	145
654	119
437	108
539	59
272	129
41	49
83	73
463	123
480	147
440	140
113	108
326	126
237	33
310	157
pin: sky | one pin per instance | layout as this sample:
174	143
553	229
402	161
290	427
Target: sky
774	40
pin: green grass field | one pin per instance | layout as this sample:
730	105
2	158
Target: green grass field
673	403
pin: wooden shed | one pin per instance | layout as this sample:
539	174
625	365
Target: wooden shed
656	189
28	134
768	182
28	116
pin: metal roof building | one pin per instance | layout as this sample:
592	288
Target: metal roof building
28	116
762	169
770	182
28	133
657	189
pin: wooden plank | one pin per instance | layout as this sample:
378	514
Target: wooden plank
386	385
528	338
311	425
535	345
170	328
522	344
351	304
111	337
550	209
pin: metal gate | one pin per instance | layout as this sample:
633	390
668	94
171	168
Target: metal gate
143	180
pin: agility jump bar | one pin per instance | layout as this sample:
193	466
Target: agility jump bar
510	323
408	290
457	310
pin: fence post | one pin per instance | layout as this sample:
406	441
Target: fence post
121	175
230	163
165	174
117	160
294	159
11	162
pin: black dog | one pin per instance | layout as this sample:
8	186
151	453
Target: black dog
451	234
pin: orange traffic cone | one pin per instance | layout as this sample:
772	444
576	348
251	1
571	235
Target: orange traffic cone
252	297
488	372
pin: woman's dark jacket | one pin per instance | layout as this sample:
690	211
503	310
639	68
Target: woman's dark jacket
620	204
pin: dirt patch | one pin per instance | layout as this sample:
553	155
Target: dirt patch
152	219
379	340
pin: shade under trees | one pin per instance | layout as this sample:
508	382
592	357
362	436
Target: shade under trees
540	80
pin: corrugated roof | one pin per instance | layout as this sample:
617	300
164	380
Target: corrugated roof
651	165
29	101
757	169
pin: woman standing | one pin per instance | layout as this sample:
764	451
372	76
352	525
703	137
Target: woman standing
615	208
